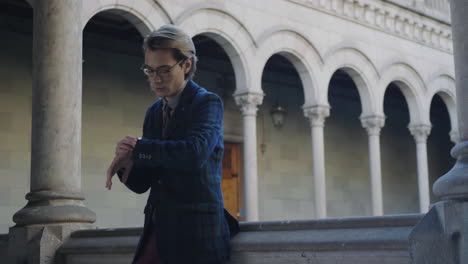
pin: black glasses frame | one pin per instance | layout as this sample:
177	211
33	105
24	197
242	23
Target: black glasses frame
147	70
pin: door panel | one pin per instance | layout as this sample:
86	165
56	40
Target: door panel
231	174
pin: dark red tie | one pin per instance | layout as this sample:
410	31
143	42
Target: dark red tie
166	116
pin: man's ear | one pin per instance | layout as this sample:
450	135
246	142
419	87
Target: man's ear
188	65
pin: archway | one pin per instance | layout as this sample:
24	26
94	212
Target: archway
399	171
15	98
115	98
215	72
285	172
439	144
346	155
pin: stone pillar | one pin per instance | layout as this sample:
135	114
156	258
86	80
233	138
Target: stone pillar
420	134
55	202
441	237
248	104
373	125
317	115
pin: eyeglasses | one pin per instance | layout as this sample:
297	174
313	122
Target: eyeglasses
161	72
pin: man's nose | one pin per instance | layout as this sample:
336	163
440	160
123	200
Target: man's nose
154	77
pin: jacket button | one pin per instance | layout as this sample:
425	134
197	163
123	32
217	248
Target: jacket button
159	182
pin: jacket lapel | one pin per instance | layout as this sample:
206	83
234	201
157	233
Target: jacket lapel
179	113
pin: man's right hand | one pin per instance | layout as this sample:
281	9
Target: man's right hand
120	161
127	144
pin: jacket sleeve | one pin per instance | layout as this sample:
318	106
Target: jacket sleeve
139	179
206	128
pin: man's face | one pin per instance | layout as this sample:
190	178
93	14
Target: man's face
168	83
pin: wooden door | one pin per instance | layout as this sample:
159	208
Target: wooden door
230	182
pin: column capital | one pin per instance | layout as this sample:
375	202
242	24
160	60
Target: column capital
373	124
420	132
249	102
454	136
317	114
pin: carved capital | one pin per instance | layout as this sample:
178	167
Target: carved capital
249	102
317	114
420	132
455	136
373	124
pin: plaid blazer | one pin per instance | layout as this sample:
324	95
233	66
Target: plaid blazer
184	170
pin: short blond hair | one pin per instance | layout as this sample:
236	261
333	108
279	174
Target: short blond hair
174	38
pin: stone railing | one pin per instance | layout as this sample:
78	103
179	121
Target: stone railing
325	241
392	17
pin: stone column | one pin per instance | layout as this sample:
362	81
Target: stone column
55	202
420	134
441	237
248	104
317	115
373	125
454	185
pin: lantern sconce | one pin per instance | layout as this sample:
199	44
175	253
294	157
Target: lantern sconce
278	114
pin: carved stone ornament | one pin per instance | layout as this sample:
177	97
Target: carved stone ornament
317	114
373	124
249	102
420	132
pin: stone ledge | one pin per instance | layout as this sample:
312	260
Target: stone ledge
442	16
330	223
360	233
366	239
390	17
324	239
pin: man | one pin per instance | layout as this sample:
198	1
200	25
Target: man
180	158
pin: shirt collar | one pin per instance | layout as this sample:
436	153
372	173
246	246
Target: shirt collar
174	101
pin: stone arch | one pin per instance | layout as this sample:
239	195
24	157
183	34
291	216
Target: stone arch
228	32
410	84
145	15
289	30
300	52
444	86
361	70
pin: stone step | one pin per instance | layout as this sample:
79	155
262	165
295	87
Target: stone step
362	240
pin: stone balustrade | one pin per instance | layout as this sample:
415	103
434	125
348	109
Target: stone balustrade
347	240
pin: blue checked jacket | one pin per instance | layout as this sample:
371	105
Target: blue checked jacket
183	170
